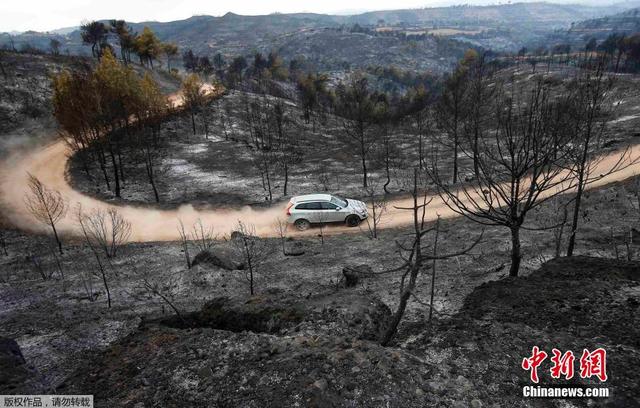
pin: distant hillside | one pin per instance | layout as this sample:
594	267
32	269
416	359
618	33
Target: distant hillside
579	34
388	37
552	15
627	21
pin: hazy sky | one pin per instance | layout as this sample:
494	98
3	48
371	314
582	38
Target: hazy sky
42	15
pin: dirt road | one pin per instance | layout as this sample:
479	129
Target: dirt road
49	164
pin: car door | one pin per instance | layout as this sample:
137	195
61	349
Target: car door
330	212
304	211
311	211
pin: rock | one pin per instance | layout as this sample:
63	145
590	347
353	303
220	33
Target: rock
476	403
16	377
221	373
610	143
10	352
295	248
205	372
321	384
436	387
464	383
353	274
223	256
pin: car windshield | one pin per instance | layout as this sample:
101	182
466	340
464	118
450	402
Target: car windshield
339	201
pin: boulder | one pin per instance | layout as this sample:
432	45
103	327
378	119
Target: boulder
294	248
353	274
235	235
16	377
223	256
10	352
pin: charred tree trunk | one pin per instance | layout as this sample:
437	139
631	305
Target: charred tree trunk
476	137
363	157
413	270
516	255
150	176
455	158
387	170
576	215
115	171
286	179
104	280
102	160
268	180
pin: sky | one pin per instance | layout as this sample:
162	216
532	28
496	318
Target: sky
44	15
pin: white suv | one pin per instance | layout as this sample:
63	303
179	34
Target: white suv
310	209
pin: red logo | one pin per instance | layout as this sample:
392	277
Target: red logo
562	364
594	364
591	364
532	363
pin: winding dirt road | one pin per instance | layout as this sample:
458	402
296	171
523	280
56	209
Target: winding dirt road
49	164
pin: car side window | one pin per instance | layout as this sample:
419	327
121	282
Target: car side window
328	206
308	206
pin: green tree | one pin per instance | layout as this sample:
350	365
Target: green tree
126	38
235	70
148	47
152	109
54	44
118	88
170	50
94	33
310	87
194	97
276	67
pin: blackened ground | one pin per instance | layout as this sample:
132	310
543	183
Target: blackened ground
57	326
472	359
569	304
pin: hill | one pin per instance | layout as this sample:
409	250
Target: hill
471	359
627	22
361	37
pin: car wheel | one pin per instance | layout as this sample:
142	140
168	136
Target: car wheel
353	221
302	224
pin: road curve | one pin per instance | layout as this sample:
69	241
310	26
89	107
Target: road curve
49	164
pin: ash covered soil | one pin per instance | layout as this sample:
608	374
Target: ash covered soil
306	340
318	348
324	357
